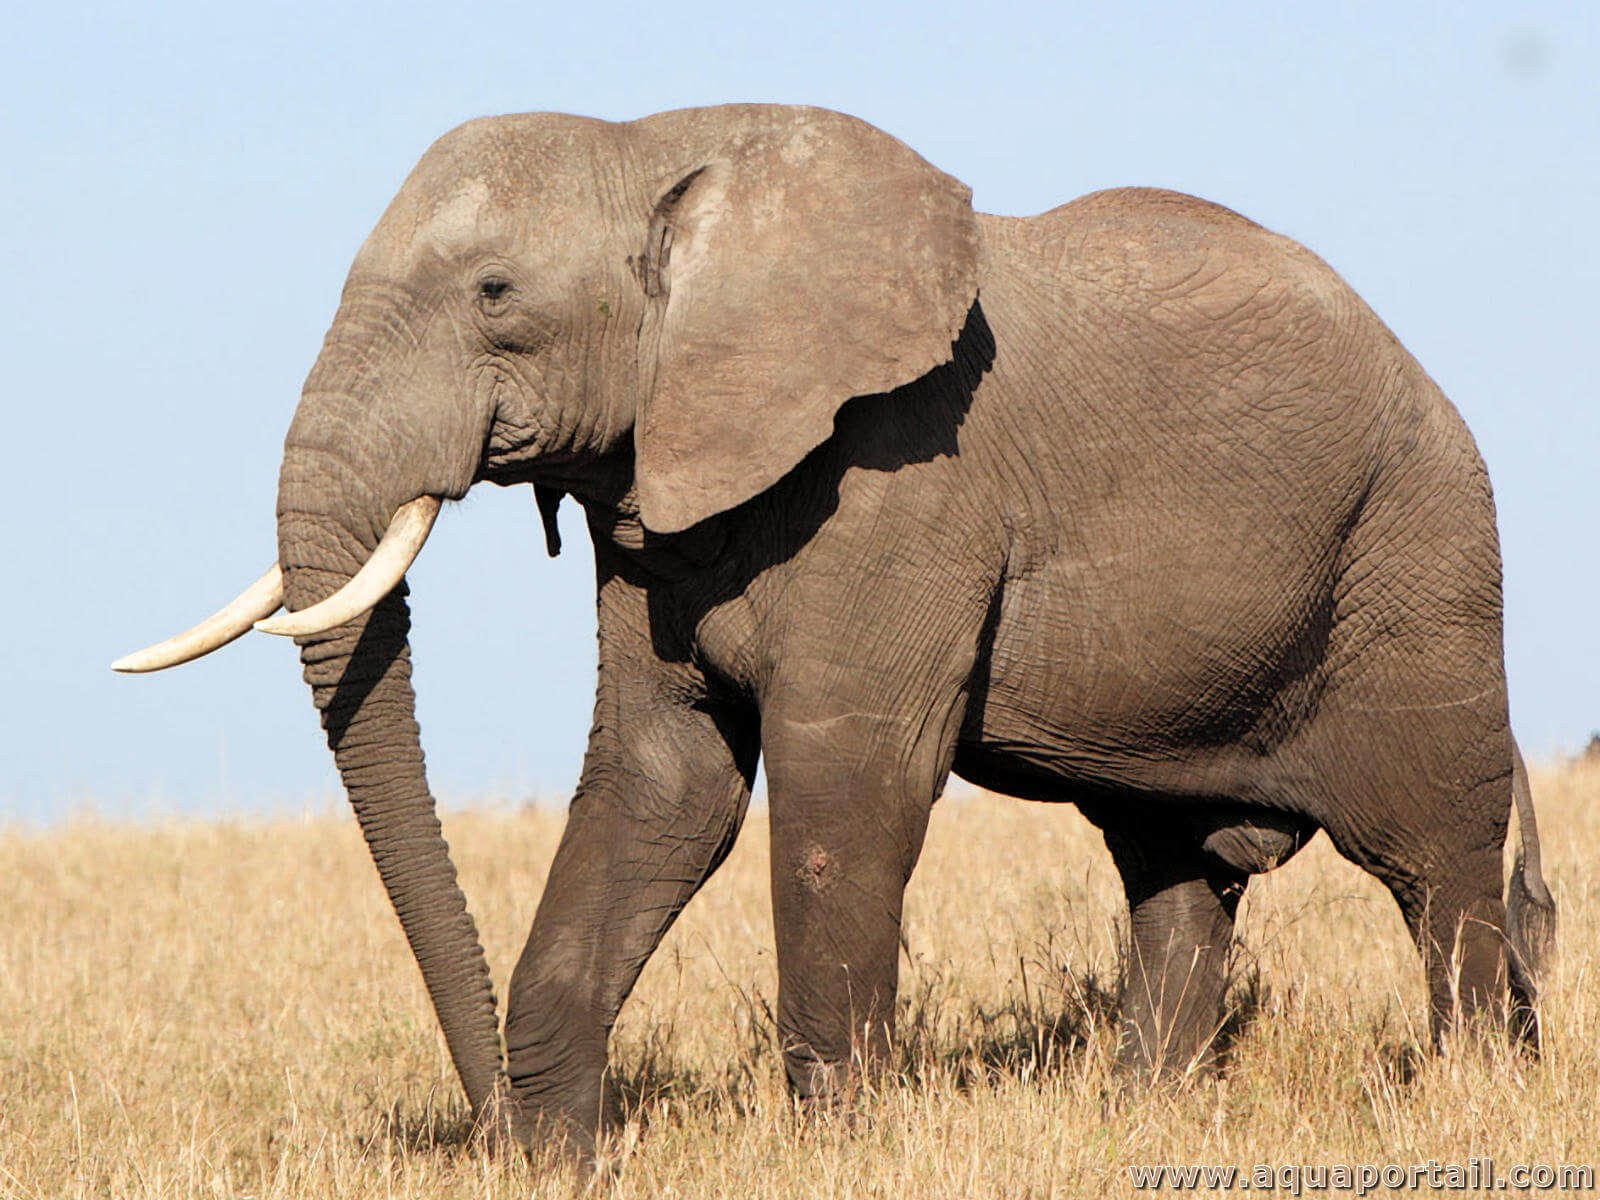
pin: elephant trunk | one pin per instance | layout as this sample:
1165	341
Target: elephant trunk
329	522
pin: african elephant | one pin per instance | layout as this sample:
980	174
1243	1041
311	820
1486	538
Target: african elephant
1132	504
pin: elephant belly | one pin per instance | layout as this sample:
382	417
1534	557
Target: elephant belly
1150	669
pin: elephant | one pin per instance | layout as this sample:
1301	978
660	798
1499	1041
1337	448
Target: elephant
1132	504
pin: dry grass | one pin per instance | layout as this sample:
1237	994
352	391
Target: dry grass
229	1009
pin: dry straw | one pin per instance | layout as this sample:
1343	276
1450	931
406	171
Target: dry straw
229	1010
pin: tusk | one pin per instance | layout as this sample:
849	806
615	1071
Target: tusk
402	541
261	599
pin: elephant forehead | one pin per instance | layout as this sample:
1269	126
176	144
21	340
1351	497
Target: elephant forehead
459	219
480	214
540	187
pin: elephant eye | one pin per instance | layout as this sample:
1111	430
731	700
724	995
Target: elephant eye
493	289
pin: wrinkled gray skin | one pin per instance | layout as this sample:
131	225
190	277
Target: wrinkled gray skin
1131	504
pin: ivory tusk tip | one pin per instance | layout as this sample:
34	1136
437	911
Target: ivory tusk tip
282	625
261	599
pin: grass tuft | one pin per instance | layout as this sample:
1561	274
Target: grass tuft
229	1009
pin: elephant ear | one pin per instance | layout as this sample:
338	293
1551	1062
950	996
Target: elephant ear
804	259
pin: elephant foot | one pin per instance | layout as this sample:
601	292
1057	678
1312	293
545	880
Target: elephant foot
492	1125
567	1134
818	1084
827	1094
1167	1057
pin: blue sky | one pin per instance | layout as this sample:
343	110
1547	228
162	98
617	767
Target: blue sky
185	187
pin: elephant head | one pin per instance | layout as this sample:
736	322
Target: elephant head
660	318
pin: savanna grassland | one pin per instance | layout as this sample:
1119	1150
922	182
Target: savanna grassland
229	1009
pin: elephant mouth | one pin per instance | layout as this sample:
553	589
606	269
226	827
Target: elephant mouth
255	607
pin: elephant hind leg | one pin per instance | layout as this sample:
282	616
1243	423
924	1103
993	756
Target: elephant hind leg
1421	803
1181	907
1458	920
1406	760
1465	953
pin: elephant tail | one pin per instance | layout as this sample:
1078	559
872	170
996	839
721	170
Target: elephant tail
1530	909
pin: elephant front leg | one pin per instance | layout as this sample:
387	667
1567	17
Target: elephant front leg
850	800
663	794
1181	907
